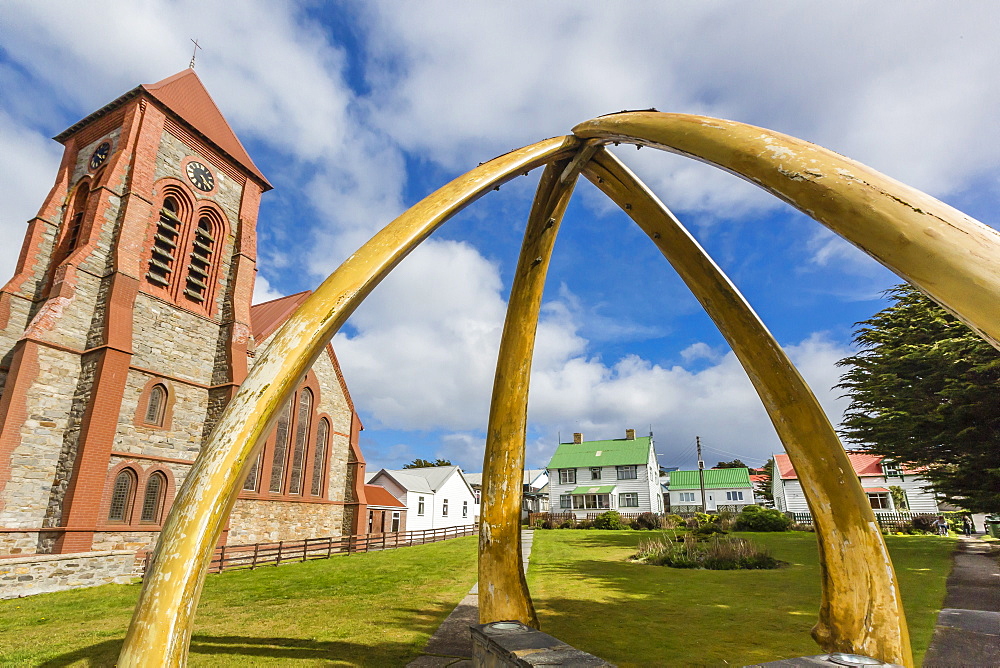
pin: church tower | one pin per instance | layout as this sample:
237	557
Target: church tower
125	330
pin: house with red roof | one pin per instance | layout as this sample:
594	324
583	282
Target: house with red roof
386	513
890	488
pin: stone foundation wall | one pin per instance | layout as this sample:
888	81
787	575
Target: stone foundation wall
38	574
258	521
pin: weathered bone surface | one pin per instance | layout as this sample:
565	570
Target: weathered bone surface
947	254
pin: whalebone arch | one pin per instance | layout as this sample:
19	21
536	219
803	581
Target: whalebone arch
945	253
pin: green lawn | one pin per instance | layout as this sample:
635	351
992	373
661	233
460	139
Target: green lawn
588	595
379	609
375	609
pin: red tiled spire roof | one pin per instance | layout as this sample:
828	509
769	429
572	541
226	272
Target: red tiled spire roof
185	95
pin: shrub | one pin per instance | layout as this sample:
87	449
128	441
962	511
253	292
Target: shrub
924	523
718	554
708	530
566	524
609	520
672	521
646	521
762	519
584	524
751	509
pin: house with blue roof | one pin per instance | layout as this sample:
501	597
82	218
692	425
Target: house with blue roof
587	478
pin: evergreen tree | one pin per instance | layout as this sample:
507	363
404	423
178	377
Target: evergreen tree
764	488
426	463
923	392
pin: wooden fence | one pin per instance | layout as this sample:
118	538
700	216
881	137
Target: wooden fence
232	557
887	521
559	518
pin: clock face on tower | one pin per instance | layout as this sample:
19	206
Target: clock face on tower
200	176
100	154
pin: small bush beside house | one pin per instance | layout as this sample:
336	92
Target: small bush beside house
755	518
719	554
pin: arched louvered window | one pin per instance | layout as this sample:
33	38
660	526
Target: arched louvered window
164	251
200	266
76	218
122	495
156	407
281	433
319	457
152	500
301	440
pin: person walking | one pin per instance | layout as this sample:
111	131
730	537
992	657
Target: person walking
942	525
967	525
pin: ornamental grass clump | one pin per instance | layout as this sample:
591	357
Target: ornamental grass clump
718	554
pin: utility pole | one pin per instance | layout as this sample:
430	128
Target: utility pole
701	475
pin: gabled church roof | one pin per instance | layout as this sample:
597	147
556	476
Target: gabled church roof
267	317
185	95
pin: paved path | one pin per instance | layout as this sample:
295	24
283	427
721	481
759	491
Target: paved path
451	644
968	627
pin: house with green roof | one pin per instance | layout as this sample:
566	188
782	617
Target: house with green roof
587	478
725	489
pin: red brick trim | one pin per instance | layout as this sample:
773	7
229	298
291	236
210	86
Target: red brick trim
82	504
139	419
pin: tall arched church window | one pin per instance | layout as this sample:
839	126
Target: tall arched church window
280	449
156	406
319	457
152	500
301	439
162	258
122	495
200	265
250	483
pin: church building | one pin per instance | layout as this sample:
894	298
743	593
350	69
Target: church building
128	327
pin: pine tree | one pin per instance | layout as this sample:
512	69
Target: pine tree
924	393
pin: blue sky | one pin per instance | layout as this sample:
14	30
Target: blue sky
355	111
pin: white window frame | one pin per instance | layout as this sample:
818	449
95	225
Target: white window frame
420	506
465	508
624	471
567	476
734	496
565	501
595	472
395	521
625	497
444	508
591	501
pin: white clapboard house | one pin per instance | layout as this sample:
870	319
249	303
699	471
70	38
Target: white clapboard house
435	496
590	477
725	489
879	477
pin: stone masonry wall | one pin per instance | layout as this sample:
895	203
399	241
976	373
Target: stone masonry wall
173	341
259	521
35	460
24	576
182	437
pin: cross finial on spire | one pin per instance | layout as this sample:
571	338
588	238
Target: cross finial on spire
194	53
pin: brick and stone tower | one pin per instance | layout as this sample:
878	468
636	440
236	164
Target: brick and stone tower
125	329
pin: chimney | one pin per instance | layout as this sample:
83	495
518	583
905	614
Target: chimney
577	438
630	434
